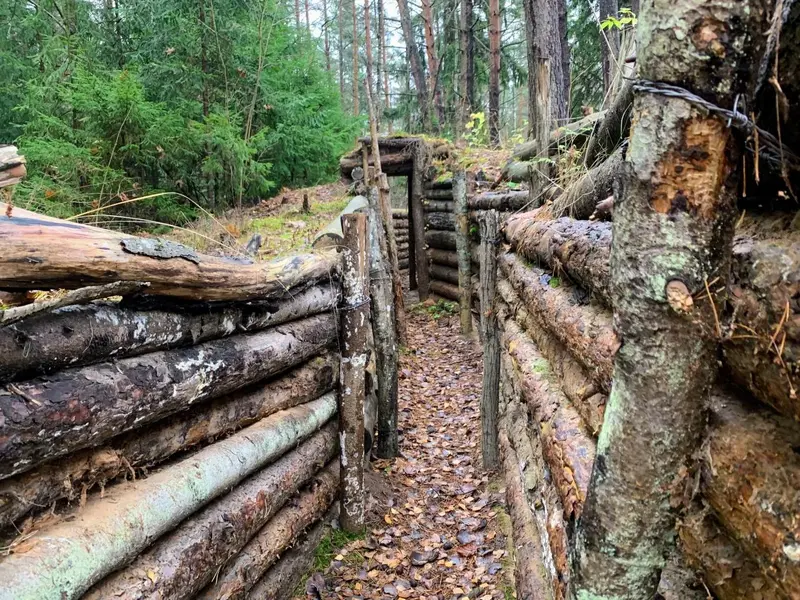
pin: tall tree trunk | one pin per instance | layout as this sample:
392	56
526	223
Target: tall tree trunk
609	40
387	103
206	102
297	14
308	20
355	60
368	48
340	44
565	60
467	68
545	33
433	60
672	236
415	61
494	72
327	35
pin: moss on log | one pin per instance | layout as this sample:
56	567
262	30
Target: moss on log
71	477
184	561
79	335
442	240
42	253
54	415
64	561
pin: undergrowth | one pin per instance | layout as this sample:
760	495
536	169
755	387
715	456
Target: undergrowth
437	310
328	550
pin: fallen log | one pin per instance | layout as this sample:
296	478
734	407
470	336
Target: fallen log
506	201
439	206
581	198
443	240
727	571
475	216
42	253
441	220
530	573
74	476
612	130
243	571
184	561
445	290
517	171
396	162
584	329
64	561
575	133
567	447
79	335
443	257
57	414
751	478
573	380
446	274
281	580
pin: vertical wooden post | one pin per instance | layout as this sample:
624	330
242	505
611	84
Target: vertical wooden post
416	214
490	396
542	126
383	326
412	257
354	326
462	247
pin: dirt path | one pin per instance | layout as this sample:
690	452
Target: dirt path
436	523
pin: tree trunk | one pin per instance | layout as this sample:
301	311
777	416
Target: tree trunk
609	41
419	238
71	556
281	580
353	344
494	73
490	230
415	64
540	171
673	234
239	576
83	407
433	61
340	44
80	335
72	476
466	63
326	34
613	129
184	561
387	101
581	198
356	109
463	251
297	14
445	221
443	240
41	252
499	201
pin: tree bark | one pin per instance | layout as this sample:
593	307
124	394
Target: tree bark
439	206
609	41
673	234
444	257
326	35
385	336
445	221
416	209
84	407
79	335
433	61
243	571
499	201
445	290
446	274
415	64
445	194
184	561
353	344
490	231
42	253
463	251
494	73
539	173
78	473
387	101
71	556
443	240
281	580
356	109
614	128
466	63
581	198
340	45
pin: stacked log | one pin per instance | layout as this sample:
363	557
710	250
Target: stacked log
228	408
402	235
740	531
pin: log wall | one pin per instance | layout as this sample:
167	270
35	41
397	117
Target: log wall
159	448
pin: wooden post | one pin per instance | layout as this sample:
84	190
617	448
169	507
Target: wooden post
541	127
490	396
383	327
353	343
462	248
412	257
416	215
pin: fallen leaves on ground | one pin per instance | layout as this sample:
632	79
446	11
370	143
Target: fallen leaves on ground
437	536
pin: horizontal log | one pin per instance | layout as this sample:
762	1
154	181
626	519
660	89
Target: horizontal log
567	446
443	240
400	224
573	379
446	274
184	561
751	478
727	571
280	582
530	573
584	329
517	171
38	252
580	199
73	476
79	335
499	201
434	182
239	576
440	220
64	561
398	162
439	206
402	263
57	414
445	194
447	258
445	290
400	213
575	133
475	216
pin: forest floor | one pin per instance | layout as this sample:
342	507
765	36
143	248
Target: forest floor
436	520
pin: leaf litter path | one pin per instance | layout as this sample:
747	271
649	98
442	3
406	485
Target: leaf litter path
434	529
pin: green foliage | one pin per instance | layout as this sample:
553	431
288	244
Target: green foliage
477	133
442	308
218	104
585	57
626	18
